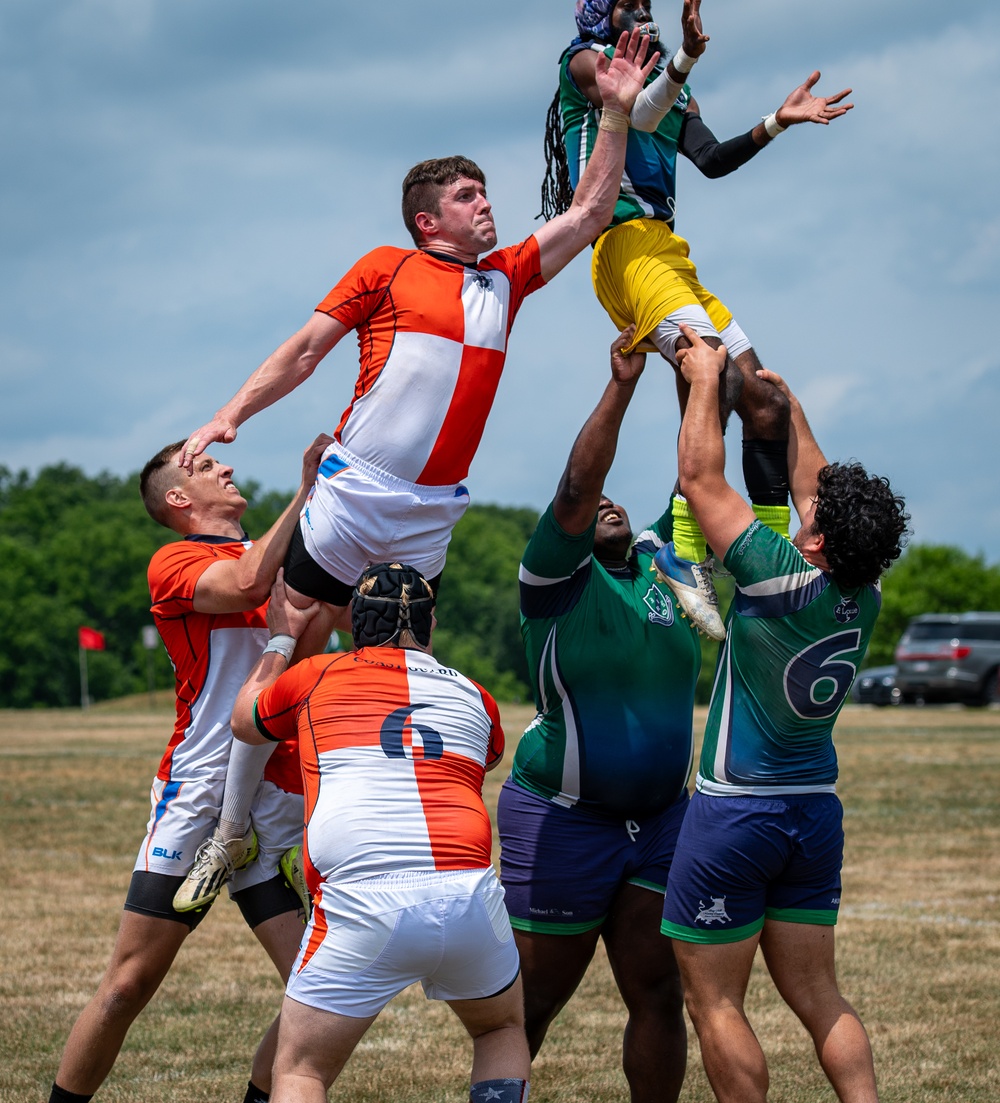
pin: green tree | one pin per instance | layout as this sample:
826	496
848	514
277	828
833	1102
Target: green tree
931	578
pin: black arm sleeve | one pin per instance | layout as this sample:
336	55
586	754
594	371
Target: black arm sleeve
712	157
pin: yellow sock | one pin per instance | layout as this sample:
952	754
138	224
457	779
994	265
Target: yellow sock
689	543
775	517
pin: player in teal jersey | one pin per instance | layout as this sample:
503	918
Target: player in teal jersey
642	269
590	815
761	849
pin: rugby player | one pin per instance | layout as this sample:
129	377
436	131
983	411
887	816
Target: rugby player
760	853
641	268
432	325
208	590
397	846
590	814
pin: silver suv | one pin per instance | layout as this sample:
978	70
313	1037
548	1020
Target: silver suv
950	657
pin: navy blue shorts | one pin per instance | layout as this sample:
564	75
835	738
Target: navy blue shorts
561	868
741	860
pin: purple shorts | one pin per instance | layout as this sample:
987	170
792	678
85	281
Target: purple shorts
561	868
741	860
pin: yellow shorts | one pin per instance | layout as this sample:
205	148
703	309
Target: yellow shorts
642	273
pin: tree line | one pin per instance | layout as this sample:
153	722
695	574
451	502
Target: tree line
74	551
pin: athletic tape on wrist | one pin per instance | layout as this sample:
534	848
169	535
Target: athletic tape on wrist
282	645
772	126
682	62
614	121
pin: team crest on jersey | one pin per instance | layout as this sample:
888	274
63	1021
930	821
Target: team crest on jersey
661	610
714	912
847	611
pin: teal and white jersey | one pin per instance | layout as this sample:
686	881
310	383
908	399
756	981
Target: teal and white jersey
650	177
613	671
793	645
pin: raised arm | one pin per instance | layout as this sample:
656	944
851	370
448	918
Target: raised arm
714	158
288	366
657	98
701	452
805	459
286	623
238	585
593	451
619	80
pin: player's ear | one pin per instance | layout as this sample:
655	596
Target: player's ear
176	498
426	223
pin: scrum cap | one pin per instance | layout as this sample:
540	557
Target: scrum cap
388	598
593	18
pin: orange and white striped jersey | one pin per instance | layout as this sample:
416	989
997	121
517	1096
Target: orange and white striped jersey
212	654
432	335
394	748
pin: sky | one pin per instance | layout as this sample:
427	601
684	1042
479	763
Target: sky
184	180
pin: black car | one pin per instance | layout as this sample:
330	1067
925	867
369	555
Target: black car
876	686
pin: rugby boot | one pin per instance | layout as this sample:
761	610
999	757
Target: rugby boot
215	862
692	585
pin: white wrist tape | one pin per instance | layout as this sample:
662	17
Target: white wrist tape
653	102
683	62
772	126
283	645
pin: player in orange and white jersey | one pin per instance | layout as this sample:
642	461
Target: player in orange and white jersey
432	325
394	749
208	593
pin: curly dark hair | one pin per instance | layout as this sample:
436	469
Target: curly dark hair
863	523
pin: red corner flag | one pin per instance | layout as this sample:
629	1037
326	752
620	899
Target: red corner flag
91	639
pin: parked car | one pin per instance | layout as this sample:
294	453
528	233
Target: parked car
950	657
876	686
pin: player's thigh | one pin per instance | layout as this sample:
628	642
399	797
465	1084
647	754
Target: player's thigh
505	1009
641	957
315	1043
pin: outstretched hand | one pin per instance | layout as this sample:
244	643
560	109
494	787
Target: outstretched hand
694	40
701	360
620	78
626	367
802	106
218	429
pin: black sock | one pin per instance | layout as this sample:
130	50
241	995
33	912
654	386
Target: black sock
61	1095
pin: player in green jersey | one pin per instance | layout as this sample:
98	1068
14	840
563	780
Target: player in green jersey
760	853
590	815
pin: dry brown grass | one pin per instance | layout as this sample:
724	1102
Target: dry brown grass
919	937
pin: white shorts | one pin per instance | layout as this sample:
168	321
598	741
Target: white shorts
185	813
368	940
667	333
357	515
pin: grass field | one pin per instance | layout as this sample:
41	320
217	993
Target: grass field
918	940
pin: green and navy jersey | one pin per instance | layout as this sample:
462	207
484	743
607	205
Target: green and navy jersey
794	642
649	180
613	671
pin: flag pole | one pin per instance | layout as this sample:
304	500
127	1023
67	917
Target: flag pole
84	695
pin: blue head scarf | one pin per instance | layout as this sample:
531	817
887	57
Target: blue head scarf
593	18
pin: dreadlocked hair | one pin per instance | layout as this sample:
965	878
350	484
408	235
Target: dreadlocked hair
863	523
557	191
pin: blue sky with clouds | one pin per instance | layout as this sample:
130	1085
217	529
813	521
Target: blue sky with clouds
183	181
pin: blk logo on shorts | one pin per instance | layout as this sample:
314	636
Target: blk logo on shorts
170	855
